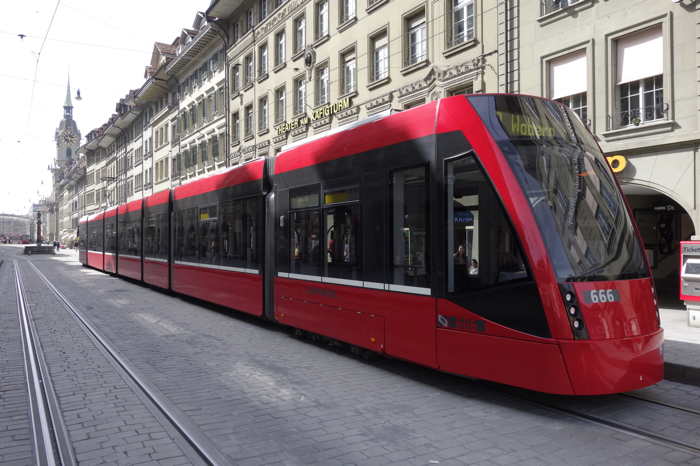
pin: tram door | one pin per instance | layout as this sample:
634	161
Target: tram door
486	270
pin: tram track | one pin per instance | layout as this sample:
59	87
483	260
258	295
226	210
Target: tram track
201	446
51	441
621	426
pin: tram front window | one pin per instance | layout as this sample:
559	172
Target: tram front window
579	209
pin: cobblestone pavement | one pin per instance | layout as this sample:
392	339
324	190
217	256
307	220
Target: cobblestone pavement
264	397
107	419
15	427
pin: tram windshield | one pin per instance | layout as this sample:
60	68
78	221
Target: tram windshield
578	207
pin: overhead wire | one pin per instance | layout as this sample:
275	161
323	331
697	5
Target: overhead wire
36	65
85	44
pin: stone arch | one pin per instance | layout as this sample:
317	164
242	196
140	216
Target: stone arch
664	219
647	187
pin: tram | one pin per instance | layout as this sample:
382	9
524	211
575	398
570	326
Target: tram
480	235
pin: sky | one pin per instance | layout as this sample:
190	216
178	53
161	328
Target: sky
104	45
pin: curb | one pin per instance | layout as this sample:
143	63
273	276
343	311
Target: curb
682	374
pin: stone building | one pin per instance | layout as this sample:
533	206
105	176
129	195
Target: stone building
630	70
14	227
67	204
250	76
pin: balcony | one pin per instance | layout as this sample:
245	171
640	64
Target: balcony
638	116
645	121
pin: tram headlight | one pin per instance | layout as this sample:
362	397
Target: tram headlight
578	324
569	297
572	310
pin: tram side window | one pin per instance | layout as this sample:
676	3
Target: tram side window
239	230
110	236
251	215
483	249
122	236
179	246
208	235
342	219
155	236
129	234
409	228
186	235
162	238
305	231
135	234
151	236
95	236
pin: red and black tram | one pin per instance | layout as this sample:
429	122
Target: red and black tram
481	235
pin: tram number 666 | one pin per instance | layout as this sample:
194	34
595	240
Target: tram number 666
602	296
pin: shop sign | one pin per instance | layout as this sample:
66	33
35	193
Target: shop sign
319	113
618	163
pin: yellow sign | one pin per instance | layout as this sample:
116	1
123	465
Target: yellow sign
521	125
617	163
321	112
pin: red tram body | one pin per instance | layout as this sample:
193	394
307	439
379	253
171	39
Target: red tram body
483	235
216	273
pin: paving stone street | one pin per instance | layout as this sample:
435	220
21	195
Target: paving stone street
259	396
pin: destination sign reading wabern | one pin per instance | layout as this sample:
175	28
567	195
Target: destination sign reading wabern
321	112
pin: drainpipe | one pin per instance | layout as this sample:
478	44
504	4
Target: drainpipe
219	27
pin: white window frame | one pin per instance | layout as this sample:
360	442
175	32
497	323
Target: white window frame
321	8
300	95
348	10
248	69
263	117
465	10
323	84
280	104
280	47
248	121
348	74
380	59
263	9
262	60
235	126
299	33
416	38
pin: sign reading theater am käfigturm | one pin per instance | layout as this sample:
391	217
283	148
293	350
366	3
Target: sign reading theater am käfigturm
317	114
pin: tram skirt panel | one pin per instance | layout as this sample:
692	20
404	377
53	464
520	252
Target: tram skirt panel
238	290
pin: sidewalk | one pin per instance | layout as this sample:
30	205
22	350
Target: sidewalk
681	347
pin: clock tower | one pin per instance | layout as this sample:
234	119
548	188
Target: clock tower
67	134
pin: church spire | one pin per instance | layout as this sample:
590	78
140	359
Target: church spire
68	105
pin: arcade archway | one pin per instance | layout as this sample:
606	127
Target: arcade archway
663	223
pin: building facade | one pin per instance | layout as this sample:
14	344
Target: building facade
66	204
630	70
14	228
250	76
